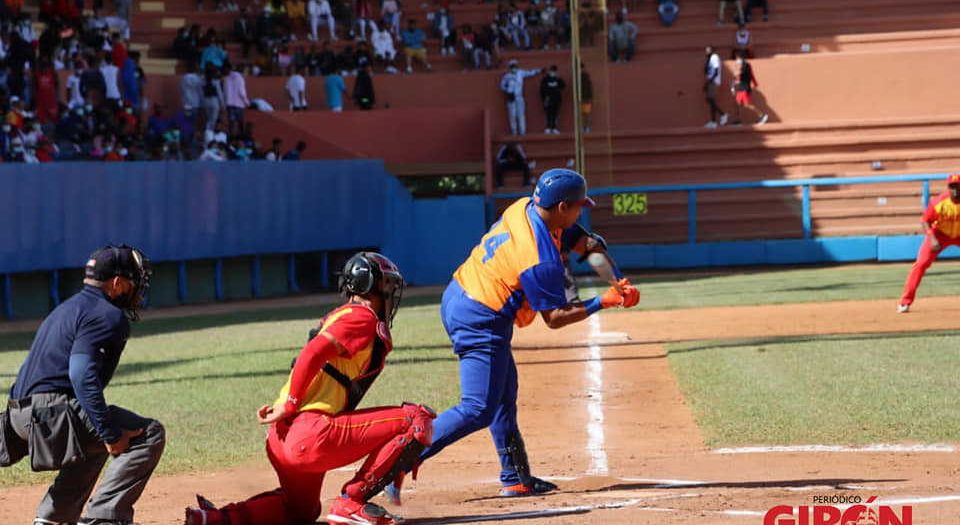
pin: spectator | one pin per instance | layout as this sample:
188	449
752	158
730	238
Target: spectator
444	29
486	47
334	88
722	14
213	100
273	154
296	153
218	135
512	86
244	31
214	54
550	25
743	91
191	91
383	49
214	152
47	85
623	33
158	123
297	91
390	16
132	80
74	98
753	4
551	94
742	43
713	70
363	56
363	13
119	52
586	99
319	11
238	150
363	95
347	61
591	23
110	74
517	27
93	86
413	48
512	158
668	10
297	16
326	59
235	98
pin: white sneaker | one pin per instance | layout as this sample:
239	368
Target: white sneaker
409	70
763	120
903	308
723	119
547	131
711	125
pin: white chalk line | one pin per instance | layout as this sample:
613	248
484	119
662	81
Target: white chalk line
596	439
875	448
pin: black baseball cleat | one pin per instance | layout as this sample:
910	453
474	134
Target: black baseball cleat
101	521
534	487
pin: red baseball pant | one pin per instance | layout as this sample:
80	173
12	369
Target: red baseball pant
304	449
925	258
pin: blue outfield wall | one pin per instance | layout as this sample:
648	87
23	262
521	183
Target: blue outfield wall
54	215
769	252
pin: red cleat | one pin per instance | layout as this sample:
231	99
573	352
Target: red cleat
351	512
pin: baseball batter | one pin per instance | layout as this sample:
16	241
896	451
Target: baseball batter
941	228
314	424
514	273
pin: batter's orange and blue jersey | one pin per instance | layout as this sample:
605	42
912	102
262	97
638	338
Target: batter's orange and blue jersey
943	215
514	272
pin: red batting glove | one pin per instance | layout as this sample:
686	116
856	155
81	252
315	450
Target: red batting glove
611	298
631	296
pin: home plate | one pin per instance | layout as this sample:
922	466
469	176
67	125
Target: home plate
607	338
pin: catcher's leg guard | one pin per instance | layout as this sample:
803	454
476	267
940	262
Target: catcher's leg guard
398	456
263	509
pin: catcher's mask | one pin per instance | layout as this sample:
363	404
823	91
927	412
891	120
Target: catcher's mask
372	273
127	262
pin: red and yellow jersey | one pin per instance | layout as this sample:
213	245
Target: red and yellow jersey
516	270
355	328
943	215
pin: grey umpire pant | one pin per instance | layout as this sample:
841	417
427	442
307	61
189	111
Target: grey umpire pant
125	479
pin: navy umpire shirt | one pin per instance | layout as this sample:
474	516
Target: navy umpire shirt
75	352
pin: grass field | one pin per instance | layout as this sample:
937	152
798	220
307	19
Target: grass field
204	376
824	390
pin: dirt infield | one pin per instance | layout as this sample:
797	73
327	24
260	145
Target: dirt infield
602	413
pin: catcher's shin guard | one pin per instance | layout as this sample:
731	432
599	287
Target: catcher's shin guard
399	456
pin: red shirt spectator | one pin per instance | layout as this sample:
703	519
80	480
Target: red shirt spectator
46	98
119	52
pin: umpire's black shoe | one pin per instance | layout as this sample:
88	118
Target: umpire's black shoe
100	521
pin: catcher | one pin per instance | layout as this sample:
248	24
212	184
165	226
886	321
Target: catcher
514	273
314	424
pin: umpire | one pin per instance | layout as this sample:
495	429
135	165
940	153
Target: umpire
57	406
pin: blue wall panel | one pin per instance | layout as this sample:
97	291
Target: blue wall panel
54	215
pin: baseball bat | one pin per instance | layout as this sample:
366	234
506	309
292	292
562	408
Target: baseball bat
604	266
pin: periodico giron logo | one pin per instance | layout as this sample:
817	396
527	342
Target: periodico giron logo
840	510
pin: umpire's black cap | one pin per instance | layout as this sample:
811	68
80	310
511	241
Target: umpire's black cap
111	261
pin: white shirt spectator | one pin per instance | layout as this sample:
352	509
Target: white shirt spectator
297	90
109	72
213	153
191	91
383	45
714	69
75	98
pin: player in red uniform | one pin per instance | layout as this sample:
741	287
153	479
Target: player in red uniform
941	228
314	424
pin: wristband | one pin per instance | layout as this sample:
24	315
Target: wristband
593	305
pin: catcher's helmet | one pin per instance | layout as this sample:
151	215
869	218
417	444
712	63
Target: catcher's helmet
371	272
